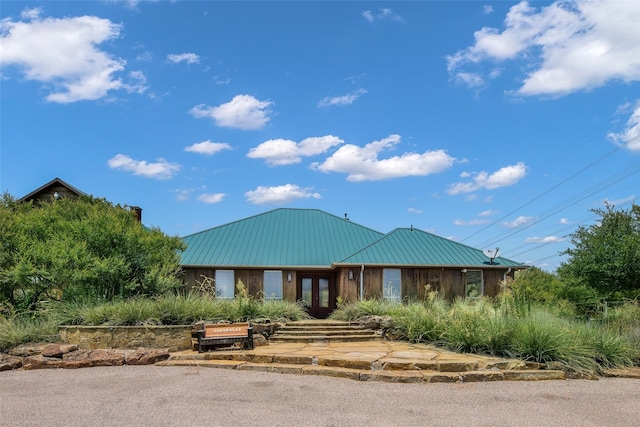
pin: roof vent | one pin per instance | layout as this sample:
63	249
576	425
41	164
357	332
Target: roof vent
346	217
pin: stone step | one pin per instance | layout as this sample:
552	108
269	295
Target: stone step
324	331
324	338
397	376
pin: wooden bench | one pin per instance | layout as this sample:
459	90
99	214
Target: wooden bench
225	334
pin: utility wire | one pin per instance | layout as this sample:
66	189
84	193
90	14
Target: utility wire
570	177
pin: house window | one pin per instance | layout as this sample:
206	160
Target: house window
475	285
391	290
224	284
272	285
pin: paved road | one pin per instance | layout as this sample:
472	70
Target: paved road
190	396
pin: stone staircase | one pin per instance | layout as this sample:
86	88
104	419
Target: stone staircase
374	360
323	331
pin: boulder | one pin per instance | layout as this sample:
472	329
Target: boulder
26	350
58	350
8	362
97	357
259	340
146	356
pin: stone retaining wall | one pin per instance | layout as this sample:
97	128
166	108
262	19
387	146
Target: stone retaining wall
174	338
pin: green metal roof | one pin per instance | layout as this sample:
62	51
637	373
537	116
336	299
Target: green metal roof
279	238
412	247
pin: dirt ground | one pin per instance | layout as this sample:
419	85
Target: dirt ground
178	396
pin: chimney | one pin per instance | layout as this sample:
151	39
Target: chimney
138	212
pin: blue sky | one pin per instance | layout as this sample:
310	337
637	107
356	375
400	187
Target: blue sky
496	124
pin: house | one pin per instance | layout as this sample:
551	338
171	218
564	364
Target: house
312	256
54	189
57	189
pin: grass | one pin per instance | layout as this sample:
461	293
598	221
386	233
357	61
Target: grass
507	328
516	329
16	329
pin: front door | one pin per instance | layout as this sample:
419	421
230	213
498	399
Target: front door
317	293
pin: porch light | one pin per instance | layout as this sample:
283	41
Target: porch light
350	274
288	277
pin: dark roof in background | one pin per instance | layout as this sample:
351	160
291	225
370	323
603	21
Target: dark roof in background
279	238
412	247
46	188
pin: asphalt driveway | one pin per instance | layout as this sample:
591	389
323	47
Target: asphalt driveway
195	396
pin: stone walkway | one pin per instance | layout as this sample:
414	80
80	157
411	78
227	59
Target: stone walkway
367	361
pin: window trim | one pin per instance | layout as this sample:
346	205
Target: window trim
277	297
233	286
466	284
389	293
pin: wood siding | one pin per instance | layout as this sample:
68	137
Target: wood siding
415	282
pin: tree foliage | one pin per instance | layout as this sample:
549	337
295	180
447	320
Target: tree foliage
606	255
81	248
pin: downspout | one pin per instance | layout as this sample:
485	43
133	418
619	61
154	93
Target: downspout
362	282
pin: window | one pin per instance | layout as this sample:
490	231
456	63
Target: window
224	284
391	290
272	285
475	287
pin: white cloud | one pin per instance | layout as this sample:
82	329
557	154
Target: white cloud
342	100
546	239
488	212
362	163
208	147
242	112
521	220
161	169
630	136
470	222
182	194
211	198
278	152
189	58
487	9
470	80
384	14
279	195
414	210
564	221
569	45
63	54
503	177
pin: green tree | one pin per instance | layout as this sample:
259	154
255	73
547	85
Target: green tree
606	255
81	248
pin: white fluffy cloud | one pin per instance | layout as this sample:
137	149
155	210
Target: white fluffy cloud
161	169
384	14
242	112
63	54
278	152
280	195
363	164
503	177
521	220
546	239
569	45
189	58
630	136
211	198
347	99
208	147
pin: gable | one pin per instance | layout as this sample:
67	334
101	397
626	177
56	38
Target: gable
55	188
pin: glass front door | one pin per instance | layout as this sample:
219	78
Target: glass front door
316	292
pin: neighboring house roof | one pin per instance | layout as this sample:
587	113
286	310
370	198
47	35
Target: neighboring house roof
315	239
48	191
413	247
279	238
